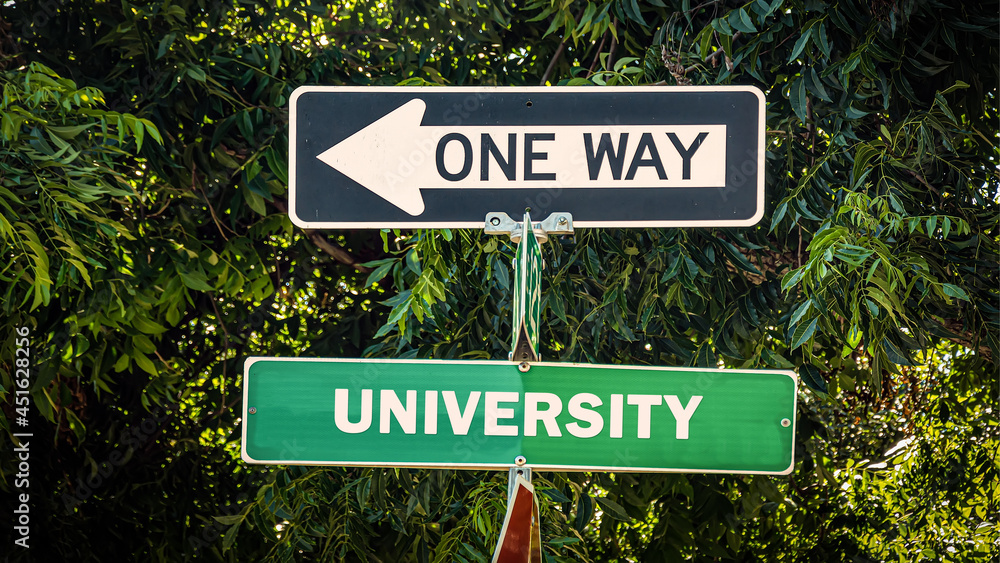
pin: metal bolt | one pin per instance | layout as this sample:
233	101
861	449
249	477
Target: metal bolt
495	221
785	422
563	220
523	367
252	410
520	460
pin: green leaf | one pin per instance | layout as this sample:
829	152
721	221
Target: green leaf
229	520
165	44
737	257
413	261
815	85
230	537
800	45
803	333
894	354
863	155
800	312
766	487
613	509
740	20
75	424
147	326
565	540
197	74
122	363
502	275
872	307
792	277
555	494
954	291
797	96
854	336
812	377
195	280
556	23
255	201
704	41
631	8
705	357
557	306
824	42
144	363
379	272
725	345
70	131
853	113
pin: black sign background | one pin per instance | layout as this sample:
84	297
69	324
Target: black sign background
322	197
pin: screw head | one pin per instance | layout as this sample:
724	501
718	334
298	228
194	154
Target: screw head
785	422
520	460
495	221
252	410
523	367
563	220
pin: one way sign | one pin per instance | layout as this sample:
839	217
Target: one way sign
445	157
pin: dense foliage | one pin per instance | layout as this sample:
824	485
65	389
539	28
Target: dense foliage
143	181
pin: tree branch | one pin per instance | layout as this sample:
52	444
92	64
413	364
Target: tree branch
966	338
552	63
614	45
711	57
558	53
339	253
597	57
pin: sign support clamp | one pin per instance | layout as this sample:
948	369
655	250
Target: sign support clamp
499	223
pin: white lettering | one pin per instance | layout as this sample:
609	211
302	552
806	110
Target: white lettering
644	404
406	416
682	414
579	412
617	410
430	412
460	421
548	416
341	409
494	413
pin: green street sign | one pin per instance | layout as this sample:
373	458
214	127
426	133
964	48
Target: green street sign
527	294
484	414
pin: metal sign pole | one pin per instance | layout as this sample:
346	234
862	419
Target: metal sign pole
528	267
520	538
527	295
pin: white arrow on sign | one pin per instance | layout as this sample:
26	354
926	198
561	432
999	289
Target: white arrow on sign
395	157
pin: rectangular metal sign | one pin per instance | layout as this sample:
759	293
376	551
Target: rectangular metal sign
484	414
425	157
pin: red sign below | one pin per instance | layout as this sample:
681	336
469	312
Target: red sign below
520	538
